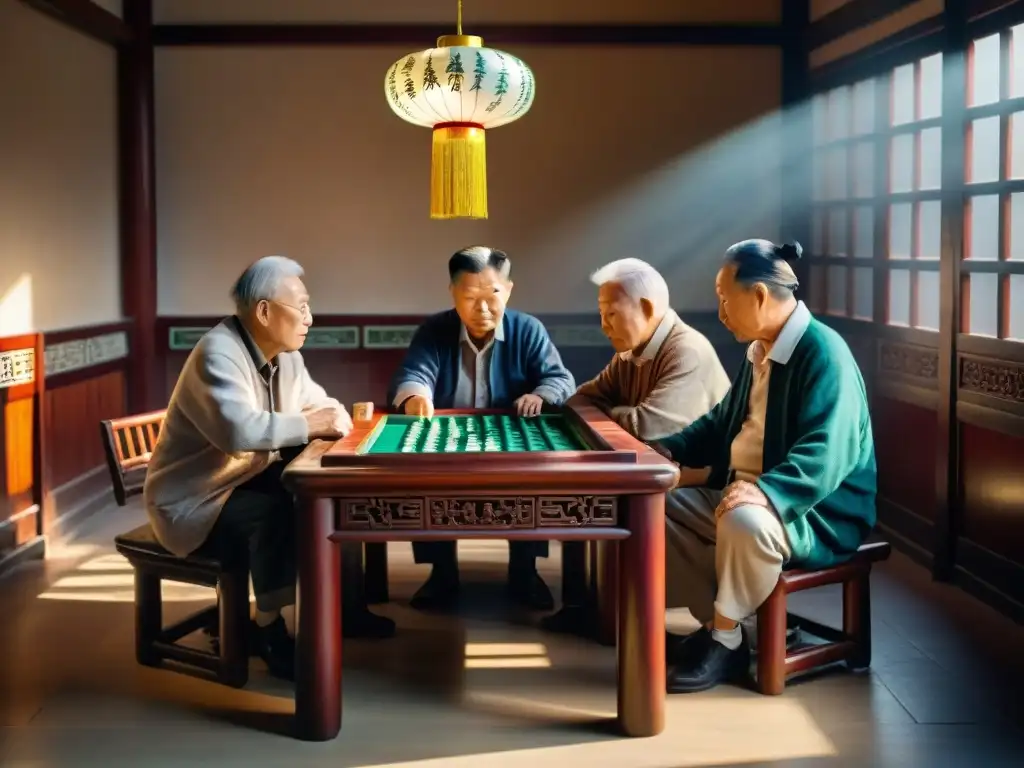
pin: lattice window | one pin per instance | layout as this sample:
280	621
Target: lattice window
992	272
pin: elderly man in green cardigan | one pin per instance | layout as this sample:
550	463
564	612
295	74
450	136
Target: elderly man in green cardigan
792	466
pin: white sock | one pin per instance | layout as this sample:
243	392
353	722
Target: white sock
266	618
730	638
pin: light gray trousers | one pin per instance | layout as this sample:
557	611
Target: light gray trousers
730	566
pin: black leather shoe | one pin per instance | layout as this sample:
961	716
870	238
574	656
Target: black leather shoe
439	592
276	647
361	624
570	620
683	649
528	589
717	664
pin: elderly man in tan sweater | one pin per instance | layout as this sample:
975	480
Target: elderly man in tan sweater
663	376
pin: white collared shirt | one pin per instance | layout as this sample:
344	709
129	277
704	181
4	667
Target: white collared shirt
473	388
747	450
660	334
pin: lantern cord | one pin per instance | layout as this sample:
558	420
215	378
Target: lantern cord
458	19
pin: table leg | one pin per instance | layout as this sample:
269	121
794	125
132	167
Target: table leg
642	618
318	629
606	603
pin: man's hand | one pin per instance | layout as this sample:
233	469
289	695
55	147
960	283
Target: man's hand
328	422
342	420
739	493
618	411
660	449
417	405
529	405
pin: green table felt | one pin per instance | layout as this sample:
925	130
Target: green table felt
468	433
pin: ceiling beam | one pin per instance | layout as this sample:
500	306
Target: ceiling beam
424	35
86	17
849	18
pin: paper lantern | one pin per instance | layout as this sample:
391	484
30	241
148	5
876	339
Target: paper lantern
459	89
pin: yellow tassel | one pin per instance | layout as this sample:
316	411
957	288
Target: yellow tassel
458	173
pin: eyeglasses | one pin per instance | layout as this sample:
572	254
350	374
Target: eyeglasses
305	310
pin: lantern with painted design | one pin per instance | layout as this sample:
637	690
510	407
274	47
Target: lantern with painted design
459	89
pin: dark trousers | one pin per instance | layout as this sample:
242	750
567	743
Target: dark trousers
259	517
521	554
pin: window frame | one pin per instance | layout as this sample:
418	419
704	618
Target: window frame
878	61
881	200
1003	188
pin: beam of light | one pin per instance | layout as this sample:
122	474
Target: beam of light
511	662
700	732
521	706
16	312
507	656
109	564
171	592
682	216
110	578
505	649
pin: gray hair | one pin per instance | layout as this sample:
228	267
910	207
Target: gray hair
638	279
762	261
262	281
476	258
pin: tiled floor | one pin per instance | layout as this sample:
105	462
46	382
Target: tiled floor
488	689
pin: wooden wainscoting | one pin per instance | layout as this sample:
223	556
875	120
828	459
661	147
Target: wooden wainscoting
22	475
900	369
85	383
986	529
990	525
905	435
355	356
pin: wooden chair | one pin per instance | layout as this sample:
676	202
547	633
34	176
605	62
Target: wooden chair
852	644
129	444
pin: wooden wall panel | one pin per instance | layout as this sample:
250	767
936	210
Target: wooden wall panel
349	375
905	449
86	372
21	386
992	478
364	373
73	414
16	495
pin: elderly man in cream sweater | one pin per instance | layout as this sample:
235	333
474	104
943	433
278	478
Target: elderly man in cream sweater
243	400
664	375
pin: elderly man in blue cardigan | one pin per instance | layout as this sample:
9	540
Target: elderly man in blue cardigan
481	355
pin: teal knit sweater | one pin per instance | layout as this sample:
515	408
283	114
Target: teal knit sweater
819	457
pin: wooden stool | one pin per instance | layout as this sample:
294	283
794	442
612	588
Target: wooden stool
128	443
852	644
229	618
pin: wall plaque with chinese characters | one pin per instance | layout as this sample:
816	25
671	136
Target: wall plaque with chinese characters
17	367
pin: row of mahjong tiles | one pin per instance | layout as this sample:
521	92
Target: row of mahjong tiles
488	433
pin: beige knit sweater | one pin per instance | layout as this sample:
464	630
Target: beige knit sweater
674	381
219	432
